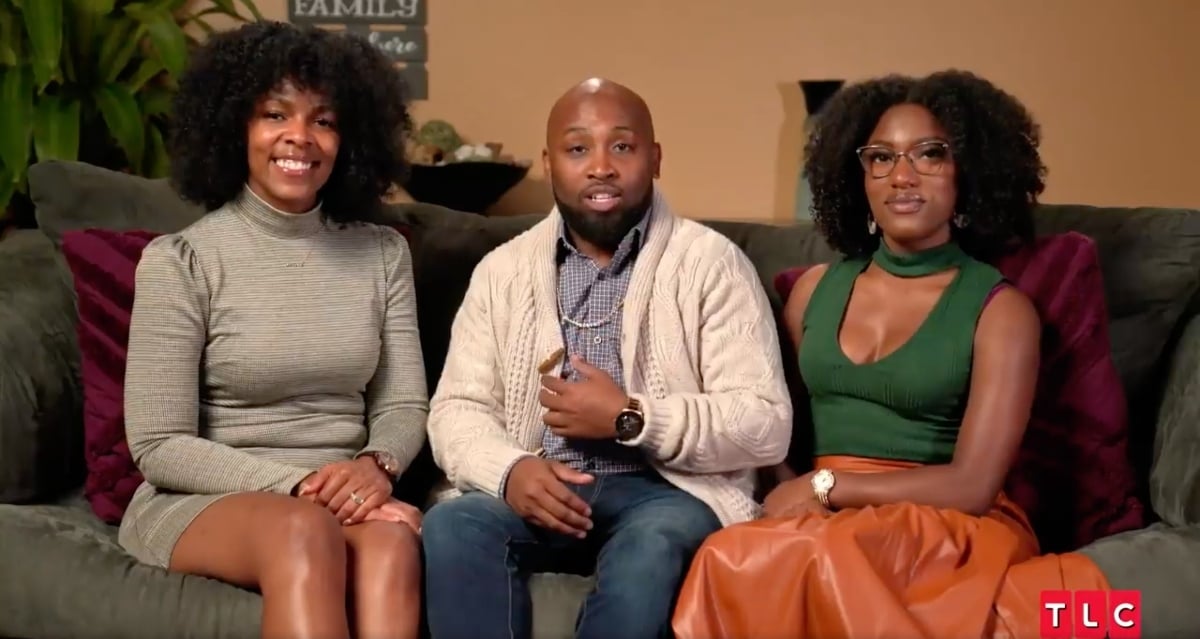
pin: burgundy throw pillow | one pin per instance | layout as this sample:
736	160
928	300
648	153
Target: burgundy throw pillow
785	281
103	264
1073	476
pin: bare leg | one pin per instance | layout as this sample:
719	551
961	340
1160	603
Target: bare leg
385	579
290	549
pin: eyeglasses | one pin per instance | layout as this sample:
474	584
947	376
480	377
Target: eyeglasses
927	158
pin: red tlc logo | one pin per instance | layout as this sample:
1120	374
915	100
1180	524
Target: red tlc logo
1091	614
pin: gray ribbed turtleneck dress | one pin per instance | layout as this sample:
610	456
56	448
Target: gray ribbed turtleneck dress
262	346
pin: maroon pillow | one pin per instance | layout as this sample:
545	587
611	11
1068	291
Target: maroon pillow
103	264
1073	475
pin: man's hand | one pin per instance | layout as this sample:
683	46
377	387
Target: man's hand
537	492
792	498
586	409
349	489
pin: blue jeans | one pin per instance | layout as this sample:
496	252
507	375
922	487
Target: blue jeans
479	554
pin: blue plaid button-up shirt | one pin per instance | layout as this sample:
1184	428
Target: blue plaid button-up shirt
593	296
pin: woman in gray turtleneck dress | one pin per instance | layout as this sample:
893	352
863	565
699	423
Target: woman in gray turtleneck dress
275	387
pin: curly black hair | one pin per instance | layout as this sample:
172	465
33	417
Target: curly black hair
234	69
993	140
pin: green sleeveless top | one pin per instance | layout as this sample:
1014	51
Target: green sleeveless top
909	404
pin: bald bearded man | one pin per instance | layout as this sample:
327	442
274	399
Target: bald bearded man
613	381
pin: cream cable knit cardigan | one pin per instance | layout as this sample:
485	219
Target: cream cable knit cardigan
699	347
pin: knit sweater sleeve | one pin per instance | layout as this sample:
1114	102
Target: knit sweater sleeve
742	417
467	431
167	334
397	399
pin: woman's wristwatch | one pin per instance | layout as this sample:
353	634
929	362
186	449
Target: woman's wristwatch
386	462
822	482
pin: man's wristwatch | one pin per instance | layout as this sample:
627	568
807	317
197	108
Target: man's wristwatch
630	421
822	482
386	462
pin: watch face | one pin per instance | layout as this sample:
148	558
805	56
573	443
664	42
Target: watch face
629	425
387	462
822	481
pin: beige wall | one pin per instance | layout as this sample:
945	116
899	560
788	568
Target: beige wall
1115	83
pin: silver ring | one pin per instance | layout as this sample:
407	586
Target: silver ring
356	499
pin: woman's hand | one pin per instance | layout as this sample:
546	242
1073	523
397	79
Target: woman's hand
399	512
792	498
349	489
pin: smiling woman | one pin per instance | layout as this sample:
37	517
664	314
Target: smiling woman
292	143
275	387
301	94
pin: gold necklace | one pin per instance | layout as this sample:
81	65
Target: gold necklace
315	239
302	262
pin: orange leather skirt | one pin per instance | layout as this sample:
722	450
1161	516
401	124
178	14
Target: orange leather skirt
898	571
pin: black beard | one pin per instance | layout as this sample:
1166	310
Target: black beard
604	230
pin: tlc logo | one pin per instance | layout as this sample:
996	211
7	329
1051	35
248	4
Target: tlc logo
1091	614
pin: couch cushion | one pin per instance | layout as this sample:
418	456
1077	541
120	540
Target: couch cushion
56	559
72	196
62	574
40	402
1150	259
104	264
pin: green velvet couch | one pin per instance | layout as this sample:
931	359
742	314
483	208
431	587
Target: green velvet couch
62	574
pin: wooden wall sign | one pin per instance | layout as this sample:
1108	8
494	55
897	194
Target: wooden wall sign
397	27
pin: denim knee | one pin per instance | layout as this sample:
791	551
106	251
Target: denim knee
475	520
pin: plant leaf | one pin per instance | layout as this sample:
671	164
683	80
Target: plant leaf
165	35
16	118
8	186
225	6
44	24
155	101
157	163
118	46
56	128
99	7
120	112
203	24
149	68
79	48
253	9
10	33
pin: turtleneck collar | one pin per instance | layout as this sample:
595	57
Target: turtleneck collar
272	221
927	262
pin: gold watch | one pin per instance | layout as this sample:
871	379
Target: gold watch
386	462
822	482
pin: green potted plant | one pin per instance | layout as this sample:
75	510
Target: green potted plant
92	80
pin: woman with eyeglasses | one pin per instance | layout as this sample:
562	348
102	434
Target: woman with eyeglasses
920	363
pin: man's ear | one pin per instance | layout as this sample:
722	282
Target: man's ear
657	160
546	162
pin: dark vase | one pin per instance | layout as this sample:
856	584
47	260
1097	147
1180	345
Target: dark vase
816	94
471	187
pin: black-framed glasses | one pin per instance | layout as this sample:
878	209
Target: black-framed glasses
927	158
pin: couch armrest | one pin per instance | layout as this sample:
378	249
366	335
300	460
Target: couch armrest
1175	473
41	403
1163	563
